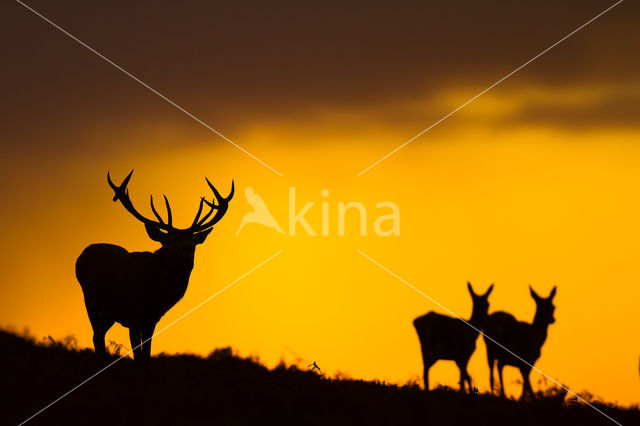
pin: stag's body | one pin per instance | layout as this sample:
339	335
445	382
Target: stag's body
446	338
131	288
520	338
135	289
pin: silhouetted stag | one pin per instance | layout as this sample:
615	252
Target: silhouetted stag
443	337
521	338
136	289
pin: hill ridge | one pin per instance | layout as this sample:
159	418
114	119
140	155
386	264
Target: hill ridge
224	388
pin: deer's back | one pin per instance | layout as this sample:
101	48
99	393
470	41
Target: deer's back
517	336
444	337
99	262
113	281
499	324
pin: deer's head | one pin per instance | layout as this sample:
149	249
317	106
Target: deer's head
178	242
544	307
480	303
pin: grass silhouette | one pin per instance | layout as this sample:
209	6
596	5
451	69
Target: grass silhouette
223	388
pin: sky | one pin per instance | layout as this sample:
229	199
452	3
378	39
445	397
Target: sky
533	183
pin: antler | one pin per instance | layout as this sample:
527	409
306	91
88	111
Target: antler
198	225
220	208
122	194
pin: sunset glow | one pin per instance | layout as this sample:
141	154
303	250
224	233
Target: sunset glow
534	183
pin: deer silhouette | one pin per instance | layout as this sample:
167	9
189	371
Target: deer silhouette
447	338
520	338
136	289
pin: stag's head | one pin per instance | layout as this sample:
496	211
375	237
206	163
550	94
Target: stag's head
480	303
180	242
544	307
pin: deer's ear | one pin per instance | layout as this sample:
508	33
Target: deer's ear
488	291
155	233
201	236
470	289
534	294
553	293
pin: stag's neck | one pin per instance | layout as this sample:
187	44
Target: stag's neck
176	269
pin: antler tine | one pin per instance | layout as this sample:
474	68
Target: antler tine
195	221
205	217
122	194
214	190
198	222
217	194
169	216
120	191
233	190
155	212
220	208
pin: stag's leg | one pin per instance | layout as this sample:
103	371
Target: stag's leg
147	333
428	362
426	376
100	327
500	367
136	341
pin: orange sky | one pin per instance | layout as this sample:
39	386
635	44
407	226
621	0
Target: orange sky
533	183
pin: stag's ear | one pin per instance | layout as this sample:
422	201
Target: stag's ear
488	291
201	236
155	233
553	293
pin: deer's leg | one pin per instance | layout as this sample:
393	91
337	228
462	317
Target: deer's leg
526	384
500	367
464	376
426	377
136	340
100	327
147	333
466	373
492	363
428	362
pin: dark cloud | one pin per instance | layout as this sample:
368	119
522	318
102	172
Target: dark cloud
616	108
235	63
